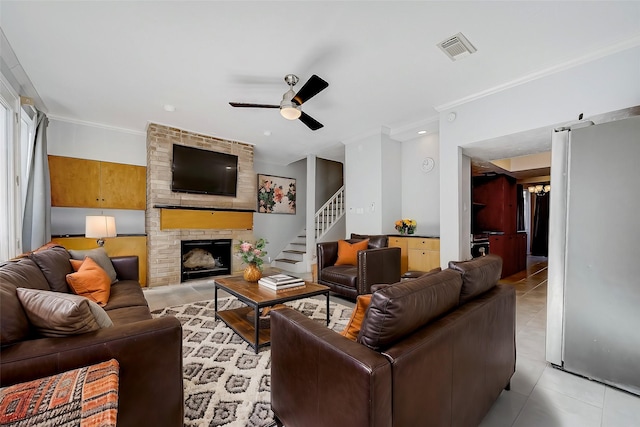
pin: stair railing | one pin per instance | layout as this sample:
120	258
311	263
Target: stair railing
330	213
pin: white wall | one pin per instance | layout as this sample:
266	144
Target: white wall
391	202
362	178
403	189
94	142
280	229
606	84
373	184
420	190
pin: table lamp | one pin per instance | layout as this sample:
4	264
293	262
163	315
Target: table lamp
100	226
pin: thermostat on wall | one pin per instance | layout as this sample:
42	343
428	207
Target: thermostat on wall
427	164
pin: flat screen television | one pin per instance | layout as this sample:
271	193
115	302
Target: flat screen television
203	171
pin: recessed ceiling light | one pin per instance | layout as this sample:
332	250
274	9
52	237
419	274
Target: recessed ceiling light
422	132
267	133
169	107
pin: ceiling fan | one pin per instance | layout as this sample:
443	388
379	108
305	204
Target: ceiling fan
291	102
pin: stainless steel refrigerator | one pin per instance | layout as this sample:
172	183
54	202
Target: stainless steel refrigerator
593	298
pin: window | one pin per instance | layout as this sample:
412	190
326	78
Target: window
10	222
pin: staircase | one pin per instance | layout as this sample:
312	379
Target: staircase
329	213
294	257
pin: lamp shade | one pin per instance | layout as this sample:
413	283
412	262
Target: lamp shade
100	226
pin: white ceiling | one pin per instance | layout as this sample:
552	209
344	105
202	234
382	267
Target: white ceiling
118	63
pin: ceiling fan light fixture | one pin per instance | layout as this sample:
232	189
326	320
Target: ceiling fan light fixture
290	112
291	104
288	108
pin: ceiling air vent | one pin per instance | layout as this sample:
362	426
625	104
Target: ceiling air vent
457	47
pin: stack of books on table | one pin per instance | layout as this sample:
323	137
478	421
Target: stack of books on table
281	282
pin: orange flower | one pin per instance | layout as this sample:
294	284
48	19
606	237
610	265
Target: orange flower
278	195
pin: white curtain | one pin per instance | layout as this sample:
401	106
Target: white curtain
36	217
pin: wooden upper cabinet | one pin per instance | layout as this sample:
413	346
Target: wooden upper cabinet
74	182
94	184
123	186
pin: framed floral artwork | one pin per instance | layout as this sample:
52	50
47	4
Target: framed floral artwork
276	194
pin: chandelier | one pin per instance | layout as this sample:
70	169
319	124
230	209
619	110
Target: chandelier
539	189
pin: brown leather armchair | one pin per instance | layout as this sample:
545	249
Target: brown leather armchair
377	264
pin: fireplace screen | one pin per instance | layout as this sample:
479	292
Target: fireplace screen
204	258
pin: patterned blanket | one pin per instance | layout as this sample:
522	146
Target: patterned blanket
86	397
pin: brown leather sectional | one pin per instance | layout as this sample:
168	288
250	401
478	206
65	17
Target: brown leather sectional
432	351
148	350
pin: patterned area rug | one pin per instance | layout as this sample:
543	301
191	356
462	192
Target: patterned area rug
225	382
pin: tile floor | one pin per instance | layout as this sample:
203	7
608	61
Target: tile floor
540	395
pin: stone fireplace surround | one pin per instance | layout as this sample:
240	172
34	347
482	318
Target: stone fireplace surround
163	246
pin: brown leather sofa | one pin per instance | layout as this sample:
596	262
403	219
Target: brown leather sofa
148	350
432	351
377	264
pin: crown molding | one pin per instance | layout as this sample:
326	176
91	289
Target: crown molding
382	130
615	48
95	125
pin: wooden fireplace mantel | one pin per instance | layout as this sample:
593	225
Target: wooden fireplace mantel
174	217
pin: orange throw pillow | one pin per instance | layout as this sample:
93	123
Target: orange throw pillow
76	264
357	316
91	281
348	252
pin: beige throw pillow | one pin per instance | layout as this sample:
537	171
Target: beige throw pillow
56	314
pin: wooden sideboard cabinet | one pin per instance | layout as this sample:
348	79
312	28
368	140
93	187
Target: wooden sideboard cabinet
82	183
424	254
401	242
417	253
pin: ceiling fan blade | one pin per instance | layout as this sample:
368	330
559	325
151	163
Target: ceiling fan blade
311	88
245	105
311	123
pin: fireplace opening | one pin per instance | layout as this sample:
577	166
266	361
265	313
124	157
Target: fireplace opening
204	258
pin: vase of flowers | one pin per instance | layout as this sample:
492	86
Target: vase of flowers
251	255
406	226
252	273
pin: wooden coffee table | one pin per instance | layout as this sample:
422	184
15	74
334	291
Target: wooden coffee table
256	298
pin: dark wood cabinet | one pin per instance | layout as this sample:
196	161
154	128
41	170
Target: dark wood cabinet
513	250
495	202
